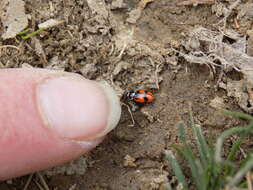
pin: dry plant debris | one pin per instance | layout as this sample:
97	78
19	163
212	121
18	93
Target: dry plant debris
129	161
14	20
99	7
250	43
226	12
135	14
236	89
50	23
77	167
195	2
208	47
218	103
39	49
118	4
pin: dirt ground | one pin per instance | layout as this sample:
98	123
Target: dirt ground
130	44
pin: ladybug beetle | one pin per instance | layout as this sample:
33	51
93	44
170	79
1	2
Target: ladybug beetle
140	96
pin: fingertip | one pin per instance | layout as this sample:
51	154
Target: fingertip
76	108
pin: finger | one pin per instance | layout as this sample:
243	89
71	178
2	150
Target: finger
48	118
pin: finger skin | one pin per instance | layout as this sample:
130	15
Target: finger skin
26	143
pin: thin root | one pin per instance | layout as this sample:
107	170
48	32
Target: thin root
10	46
112	49
130	112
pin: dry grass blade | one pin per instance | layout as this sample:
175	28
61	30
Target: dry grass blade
249	181
10	46
195	2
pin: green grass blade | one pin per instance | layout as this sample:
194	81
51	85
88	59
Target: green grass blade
211	171
227	133
176	168
242	171
24	31
202	146
239	115
195	169
201	142
32	34
181	130
231	157
194	164
234	149
213	178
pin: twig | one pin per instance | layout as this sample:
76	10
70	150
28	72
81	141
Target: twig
28	181
39	186
42	180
